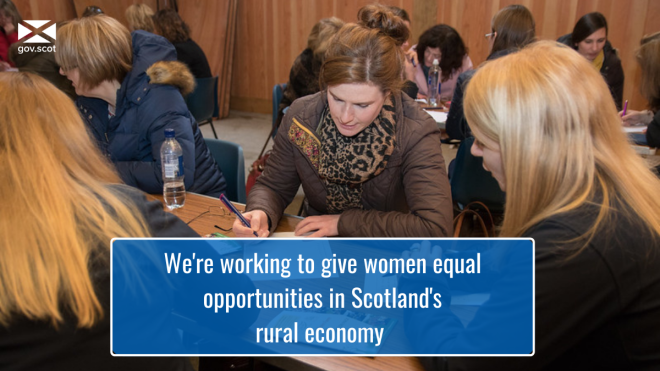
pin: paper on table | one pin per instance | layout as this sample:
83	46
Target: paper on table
439	117
376	283
288	235
261	249
634	129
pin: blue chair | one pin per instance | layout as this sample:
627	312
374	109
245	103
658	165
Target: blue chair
470	182
278	93
201	102
229	157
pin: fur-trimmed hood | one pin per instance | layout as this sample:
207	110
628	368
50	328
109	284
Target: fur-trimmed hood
172	73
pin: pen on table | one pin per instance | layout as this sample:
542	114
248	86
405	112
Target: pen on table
625	108
233	209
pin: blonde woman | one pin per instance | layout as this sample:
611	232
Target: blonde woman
130	90
62	204
139	17
575	185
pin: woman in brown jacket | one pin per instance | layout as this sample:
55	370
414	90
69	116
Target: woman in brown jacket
368	157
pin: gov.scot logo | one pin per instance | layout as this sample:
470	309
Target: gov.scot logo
38	31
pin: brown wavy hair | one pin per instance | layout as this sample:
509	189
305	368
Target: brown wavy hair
450	43
170	25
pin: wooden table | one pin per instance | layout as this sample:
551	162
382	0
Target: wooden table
203	213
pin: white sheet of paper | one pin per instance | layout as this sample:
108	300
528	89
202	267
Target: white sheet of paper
288	235
438	116
634	129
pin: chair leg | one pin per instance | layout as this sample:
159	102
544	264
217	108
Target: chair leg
213	128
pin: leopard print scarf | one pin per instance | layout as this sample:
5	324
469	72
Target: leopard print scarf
347	162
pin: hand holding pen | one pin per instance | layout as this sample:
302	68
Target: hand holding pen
241	220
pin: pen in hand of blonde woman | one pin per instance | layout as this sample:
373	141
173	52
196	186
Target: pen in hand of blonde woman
633	118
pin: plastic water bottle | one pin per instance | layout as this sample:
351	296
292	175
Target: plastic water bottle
171	157
434	83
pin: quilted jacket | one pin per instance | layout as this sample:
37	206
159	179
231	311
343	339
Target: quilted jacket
410	198
149	101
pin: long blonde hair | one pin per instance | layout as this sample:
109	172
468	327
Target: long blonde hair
58	214
560	139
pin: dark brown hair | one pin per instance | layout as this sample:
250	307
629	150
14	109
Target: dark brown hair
450	43
383	18
358	54
171	26
515	28
586	25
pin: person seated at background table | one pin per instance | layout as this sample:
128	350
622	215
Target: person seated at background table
170	25
140	17
512	28
62	204
589	38
367	155
576	187
9	20
375	16
441	42
648	57
130	92
304	74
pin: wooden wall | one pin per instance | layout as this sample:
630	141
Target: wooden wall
271	33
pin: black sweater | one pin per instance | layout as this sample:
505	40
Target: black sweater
597	311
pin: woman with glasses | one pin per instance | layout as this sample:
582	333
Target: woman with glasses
441	42
589	38
130	90
512	28
576	186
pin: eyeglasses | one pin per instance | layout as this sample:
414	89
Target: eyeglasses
488	35
217	211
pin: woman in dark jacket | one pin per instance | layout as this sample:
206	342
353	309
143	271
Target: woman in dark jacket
169	24
367	156
130	92
589	38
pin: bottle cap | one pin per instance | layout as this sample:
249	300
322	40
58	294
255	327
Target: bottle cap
169	133
436	62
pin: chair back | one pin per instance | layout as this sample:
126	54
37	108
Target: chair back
470	182
278	93
201	102
229	157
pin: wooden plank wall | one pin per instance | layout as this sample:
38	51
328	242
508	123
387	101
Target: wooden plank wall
271	33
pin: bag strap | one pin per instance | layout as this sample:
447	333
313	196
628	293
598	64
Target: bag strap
490	216
458	222
263	149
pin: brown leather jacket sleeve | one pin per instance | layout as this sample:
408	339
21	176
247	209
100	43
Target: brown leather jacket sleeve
427	193
279	183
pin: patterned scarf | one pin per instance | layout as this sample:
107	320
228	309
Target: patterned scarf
347	162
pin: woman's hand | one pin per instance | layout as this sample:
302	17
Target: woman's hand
633	118
259	222
323	225
411	64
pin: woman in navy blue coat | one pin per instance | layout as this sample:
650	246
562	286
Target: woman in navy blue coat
130	88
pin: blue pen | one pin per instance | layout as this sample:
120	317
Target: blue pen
234	210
